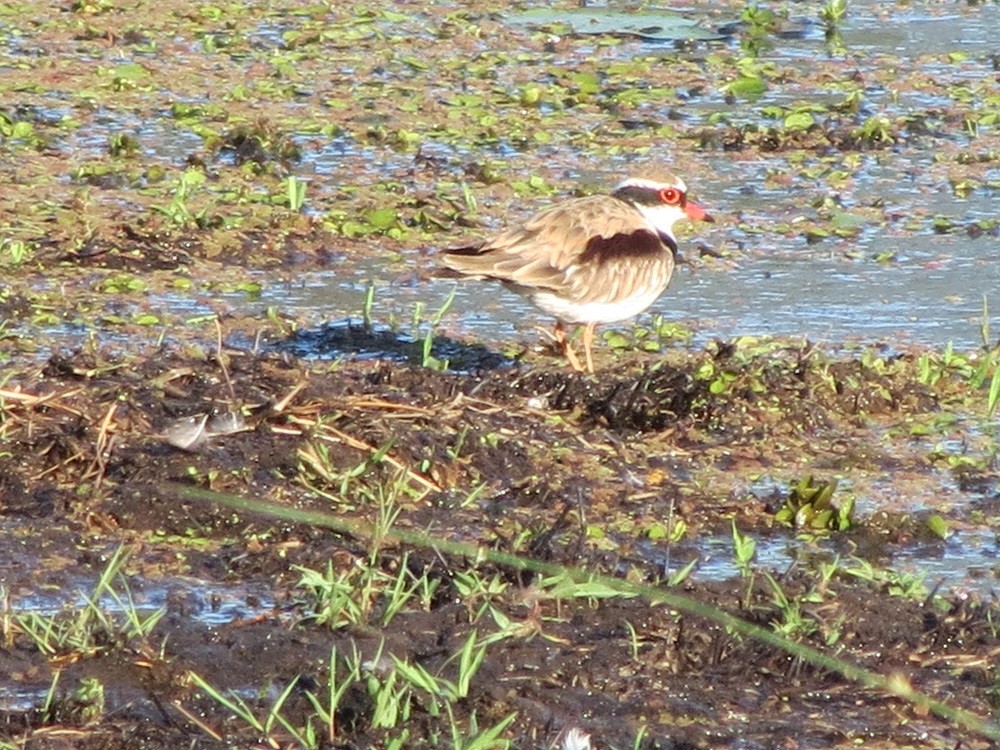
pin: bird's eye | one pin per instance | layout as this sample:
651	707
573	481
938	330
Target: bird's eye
671	196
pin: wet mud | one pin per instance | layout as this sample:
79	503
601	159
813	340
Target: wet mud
90	461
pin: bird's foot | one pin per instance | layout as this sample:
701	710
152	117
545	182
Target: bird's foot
574	361
558	336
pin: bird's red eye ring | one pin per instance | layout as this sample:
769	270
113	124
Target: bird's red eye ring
671	196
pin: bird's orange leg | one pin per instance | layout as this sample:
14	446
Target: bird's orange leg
588	345
563	342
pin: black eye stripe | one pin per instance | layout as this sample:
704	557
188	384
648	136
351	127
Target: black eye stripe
645	196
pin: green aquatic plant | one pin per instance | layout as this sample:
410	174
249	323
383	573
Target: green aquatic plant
83	704
744	551
931	366
428	359
478	591
799	118
906	585
365	591
404	685
128	77
790	622
92	628
22	132
875	131
760	24
593	585
977	369
369	304
178	210
16	252
295	193
352	596
993	398
88	700
383	221
123	144
831	14
810	506
991	361
270	722
660	334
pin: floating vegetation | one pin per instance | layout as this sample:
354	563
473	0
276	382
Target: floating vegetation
811	507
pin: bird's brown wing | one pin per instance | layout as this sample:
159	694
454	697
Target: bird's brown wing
568	248
539	252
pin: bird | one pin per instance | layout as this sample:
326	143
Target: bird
595	259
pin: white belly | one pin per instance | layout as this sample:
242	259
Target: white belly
593	312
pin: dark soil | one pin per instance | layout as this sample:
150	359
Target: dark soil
87	466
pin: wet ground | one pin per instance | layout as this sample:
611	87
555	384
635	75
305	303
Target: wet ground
173	320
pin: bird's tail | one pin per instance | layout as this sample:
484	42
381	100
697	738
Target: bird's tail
450	263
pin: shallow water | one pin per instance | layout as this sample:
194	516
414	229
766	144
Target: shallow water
932	294
968	561
927	288
206	602
929	291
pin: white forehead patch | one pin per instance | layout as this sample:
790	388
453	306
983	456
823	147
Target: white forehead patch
642	182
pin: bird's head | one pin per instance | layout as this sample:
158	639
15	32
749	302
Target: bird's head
663	202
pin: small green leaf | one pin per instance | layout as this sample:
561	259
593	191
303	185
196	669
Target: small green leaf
131	72
657	531
586	83
799	121
617	340
994	398
845	220
746	87
352	229
717	386
821	520
938	526
382	218
22	130
531	95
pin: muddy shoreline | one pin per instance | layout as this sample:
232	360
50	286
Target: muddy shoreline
532	460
